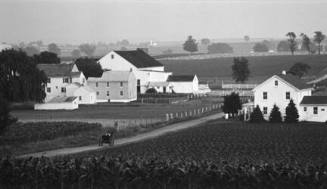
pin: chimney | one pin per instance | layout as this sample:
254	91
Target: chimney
284	72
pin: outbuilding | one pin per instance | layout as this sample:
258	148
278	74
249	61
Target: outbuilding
59	103
313	108
183	83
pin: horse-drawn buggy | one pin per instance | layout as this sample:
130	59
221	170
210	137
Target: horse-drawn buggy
107	138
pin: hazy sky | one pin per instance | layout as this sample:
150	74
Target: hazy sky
76	21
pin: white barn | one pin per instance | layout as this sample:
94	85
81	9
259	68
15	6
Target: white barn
313	108
279	90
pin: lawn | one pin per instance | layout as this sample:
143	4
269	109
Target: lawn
235	142
260	67
114	111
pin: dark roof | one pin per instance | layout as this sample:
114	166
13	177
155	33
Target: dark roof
314	100
295	81
139	58
57	70
180	78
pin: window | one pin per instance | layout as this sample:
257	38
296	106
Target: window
265	110
98	93
305	109
108	93
315	110
48	80
121	84
96	84
107	84
322	109
121	93
65	80
80	98
49	89
63	89
288	95
276	83
265	96
112	56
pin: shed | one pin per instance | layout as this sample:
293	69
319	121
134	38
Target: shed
59	103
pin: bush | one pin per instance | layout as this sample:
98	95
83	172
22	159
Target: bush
151	91
292	115
275	115
256	116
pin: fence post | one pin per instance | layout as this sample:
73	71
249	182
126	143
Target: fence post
171	116
167	117
186	114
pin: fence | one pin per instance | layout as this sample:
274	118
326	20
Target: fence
238	86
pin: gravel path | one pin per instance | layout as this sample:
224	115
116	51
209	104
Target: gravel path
128	140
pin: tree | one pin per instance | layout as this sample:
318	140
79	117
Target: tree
256	116
31	51
275	115
318	38
306	42
76	53
46	57
20	79
283	46
87	49
124	43
190	45
260	47
246	38
5	118
292	41
232	104
299	69
54	48
205	41
220	48
89	67
292	114
240	69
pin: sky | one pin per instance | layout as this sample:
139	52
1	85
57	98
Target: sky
79	21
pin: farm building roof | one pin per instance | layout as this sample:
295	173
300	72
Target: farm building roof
58	70
295	81
180	78
112	76
139	58
62	99
311	100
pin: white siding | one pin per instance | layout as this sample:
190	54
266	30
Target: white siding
57	106
308	115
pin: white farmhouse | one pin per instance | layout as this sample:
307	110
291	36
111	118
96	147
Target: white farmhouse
147	70
279	90
313	108
183	83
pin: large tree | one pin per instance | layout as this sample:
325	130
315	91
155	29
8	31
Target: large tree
299	69
232	104
46	57
318	38
240	69
31	50
52	47
87	49
220	48
190	45
292	41
306	43
260	47
205	41
20	80
89	67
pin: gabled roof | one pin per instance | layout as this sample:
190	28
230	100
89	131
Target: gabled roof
181	78
112	76
58	70
314	100
62	99
295	81
139	58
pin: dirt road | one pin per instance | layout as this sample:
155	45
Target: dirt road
133	139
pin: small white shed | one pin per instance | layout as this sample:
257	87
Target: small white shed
183	83
59	103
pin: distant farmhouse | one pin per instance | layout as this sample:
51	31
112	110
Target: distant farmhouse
280	89
149	73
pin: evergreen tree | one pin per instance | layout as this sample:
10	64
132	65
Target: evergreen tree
256	116
275	115
292	115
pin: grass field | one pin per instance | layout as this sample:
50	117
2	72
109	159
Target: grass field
260	67
235	142
114	111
